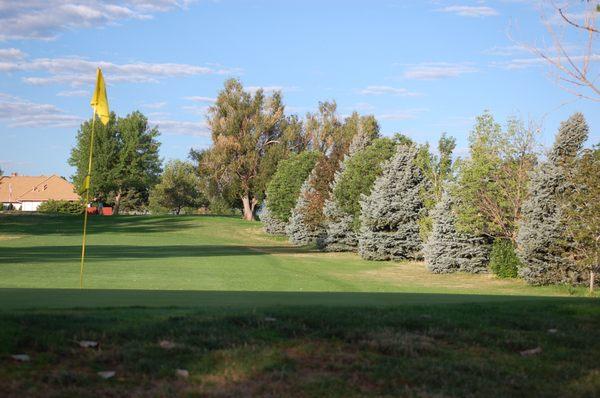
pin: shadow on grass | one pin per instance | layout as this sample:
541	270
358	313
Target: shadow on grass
297	344
20	298
43	224
48	254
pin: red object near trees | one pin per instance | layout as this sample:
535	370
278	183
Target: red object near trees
92	210
107	211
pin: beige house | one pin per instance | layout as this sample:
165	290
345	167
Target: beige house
26	193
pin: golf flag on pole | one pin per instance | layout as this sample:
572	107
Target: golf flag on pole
99	101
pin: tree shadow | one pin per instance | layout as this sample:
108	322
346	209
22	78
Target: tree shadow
43	224
49	254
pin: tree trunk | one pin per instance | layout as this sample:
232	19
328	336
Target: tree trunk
117	203
249	204
592	281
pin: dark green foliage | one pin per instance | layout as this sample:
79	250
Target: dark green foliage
543	246
284	187
61	207
504	262
390	214
448	250
125	160
271	225
359	174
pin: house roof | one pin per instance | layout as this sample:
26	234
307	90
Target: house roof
35	189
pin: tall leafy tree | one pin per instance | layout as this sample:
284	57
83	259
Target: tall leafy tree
244	128
125	161
493	181
437	170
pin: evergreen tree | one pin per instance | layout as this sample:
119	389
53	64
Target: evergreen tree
271	224
541	239
300	229
448	250
390	214
340	235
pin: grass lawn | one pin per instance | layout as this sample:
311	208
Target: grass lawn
246	314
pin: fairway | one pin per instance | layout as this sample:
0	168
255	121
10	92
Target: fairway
202	254
245	314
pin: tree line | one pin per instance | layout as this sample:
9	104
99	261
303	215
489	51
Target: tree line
339	184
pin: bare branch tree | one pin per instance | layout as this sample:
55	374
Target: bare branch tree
573	67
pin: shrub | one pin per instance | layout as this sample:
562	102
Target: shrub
504	262
284	187
61	207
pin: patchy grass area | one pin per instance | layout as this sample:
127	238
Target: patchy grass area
410	350
245	314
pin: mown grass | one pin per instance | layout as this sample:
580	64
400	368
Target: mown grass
249	315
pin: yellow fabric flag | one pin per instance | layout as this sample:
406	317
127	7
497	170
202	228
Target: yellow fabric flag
99	101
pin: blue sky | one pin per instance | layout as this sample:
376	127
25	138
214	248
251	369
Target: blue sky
422	67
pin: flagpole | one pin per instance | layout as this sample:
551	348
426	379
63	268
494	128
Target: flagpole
86	184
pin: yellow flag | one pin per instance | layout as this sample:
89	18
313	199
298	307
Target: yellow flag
99	101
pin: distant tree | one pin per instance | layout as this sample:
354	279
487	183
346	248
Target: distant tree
448	250
493	181
125	158
354	179
243	127
178	188
437	170
580	206
331	138
284	188
390	214
541	241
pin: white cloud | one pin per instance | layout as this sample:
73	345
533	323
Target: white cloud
270	89
18	112
401	114
11	54
45	19
436	70
196	98
154	105
379	90
469	11
75	93
505	50
180	127
77	71
524	63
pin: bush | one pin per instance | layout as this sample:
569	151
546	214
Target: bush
61	207
284	187
504	262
